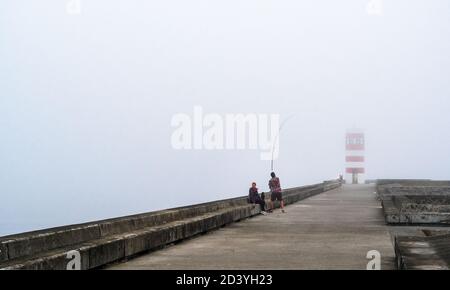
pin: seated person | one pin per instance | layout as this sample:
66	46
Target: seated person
254	197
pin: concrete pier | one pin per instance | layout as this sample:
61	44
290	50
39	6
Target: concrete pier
98	243
332	230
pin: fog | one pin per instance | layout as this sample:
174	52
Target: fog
87	99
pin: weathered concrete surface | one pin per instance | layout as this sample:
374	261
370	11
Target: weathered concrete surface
106	241
3	253
418	190
419	212
98	252
413	182
425	202
417	231
333	230
423	253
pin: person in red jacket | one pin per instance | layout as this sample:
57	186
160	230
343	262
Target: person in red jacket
275	189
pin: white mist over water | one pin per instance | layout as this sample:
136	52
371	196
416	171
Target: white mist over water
86	99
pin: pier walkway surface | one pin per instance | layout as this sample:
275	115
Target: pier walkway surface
332	230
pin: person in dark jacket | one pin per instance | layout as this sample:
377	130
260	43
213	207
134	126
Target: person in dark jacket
253	197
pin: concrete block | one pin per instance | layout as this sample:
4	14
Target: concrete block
41	242
106	251
57	261
135	243
416	209
148	221
116	227
422	253
151	238
3	252
19	248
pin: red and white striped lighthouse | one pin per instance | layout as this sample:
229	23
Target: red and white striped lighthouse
354	156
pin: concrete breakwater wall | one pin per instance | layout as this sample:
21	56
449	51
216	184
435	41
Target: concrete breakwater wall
423	253
415	201
94	244
423	205
412	182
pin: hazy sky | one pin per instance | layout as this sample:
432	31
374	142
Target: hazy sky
86	100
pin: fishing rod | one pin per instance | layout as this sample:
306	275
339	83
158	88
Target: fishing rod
277	137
